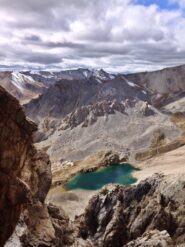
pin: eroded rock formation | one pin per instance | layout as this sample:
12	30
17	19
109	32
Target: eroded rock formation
89	114
149	214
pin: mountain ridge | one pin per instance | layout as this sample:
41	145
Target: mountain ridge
91	111
88	104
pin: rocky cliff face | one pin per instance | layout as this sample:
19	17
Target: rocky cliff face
25	174
149	214
16	141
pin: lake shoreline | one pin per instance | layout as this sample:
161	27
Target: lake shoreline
75	201
116	174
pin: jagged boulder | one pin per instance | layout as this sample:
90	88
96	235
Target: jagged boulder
152	239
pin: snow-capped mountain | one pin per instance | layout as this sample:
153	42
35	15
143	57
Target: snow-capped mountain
26	85
65	95
48	77
82	111
23	87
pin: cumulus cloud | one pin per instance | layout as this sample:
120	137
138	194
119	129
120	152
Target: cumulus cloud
118	35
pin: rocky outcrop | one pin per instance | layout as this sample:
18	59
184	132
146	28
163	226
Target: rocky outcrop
25	174
49	226
153	238
148	214
87	115
39	229
15	139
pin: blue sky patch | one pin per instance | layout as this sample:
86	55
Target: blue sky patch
163	4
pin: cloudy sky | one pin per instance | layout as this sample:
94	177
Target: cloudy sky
117	35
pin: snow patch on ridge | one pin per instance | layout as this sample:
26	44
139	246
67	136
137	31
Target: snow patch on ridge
131	84
112	77
86	74
18	81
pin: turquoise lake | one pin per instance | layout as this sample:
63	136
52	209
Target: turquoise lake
117	174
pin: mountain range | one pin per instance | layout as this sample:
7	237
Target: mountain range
80	112
89	119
